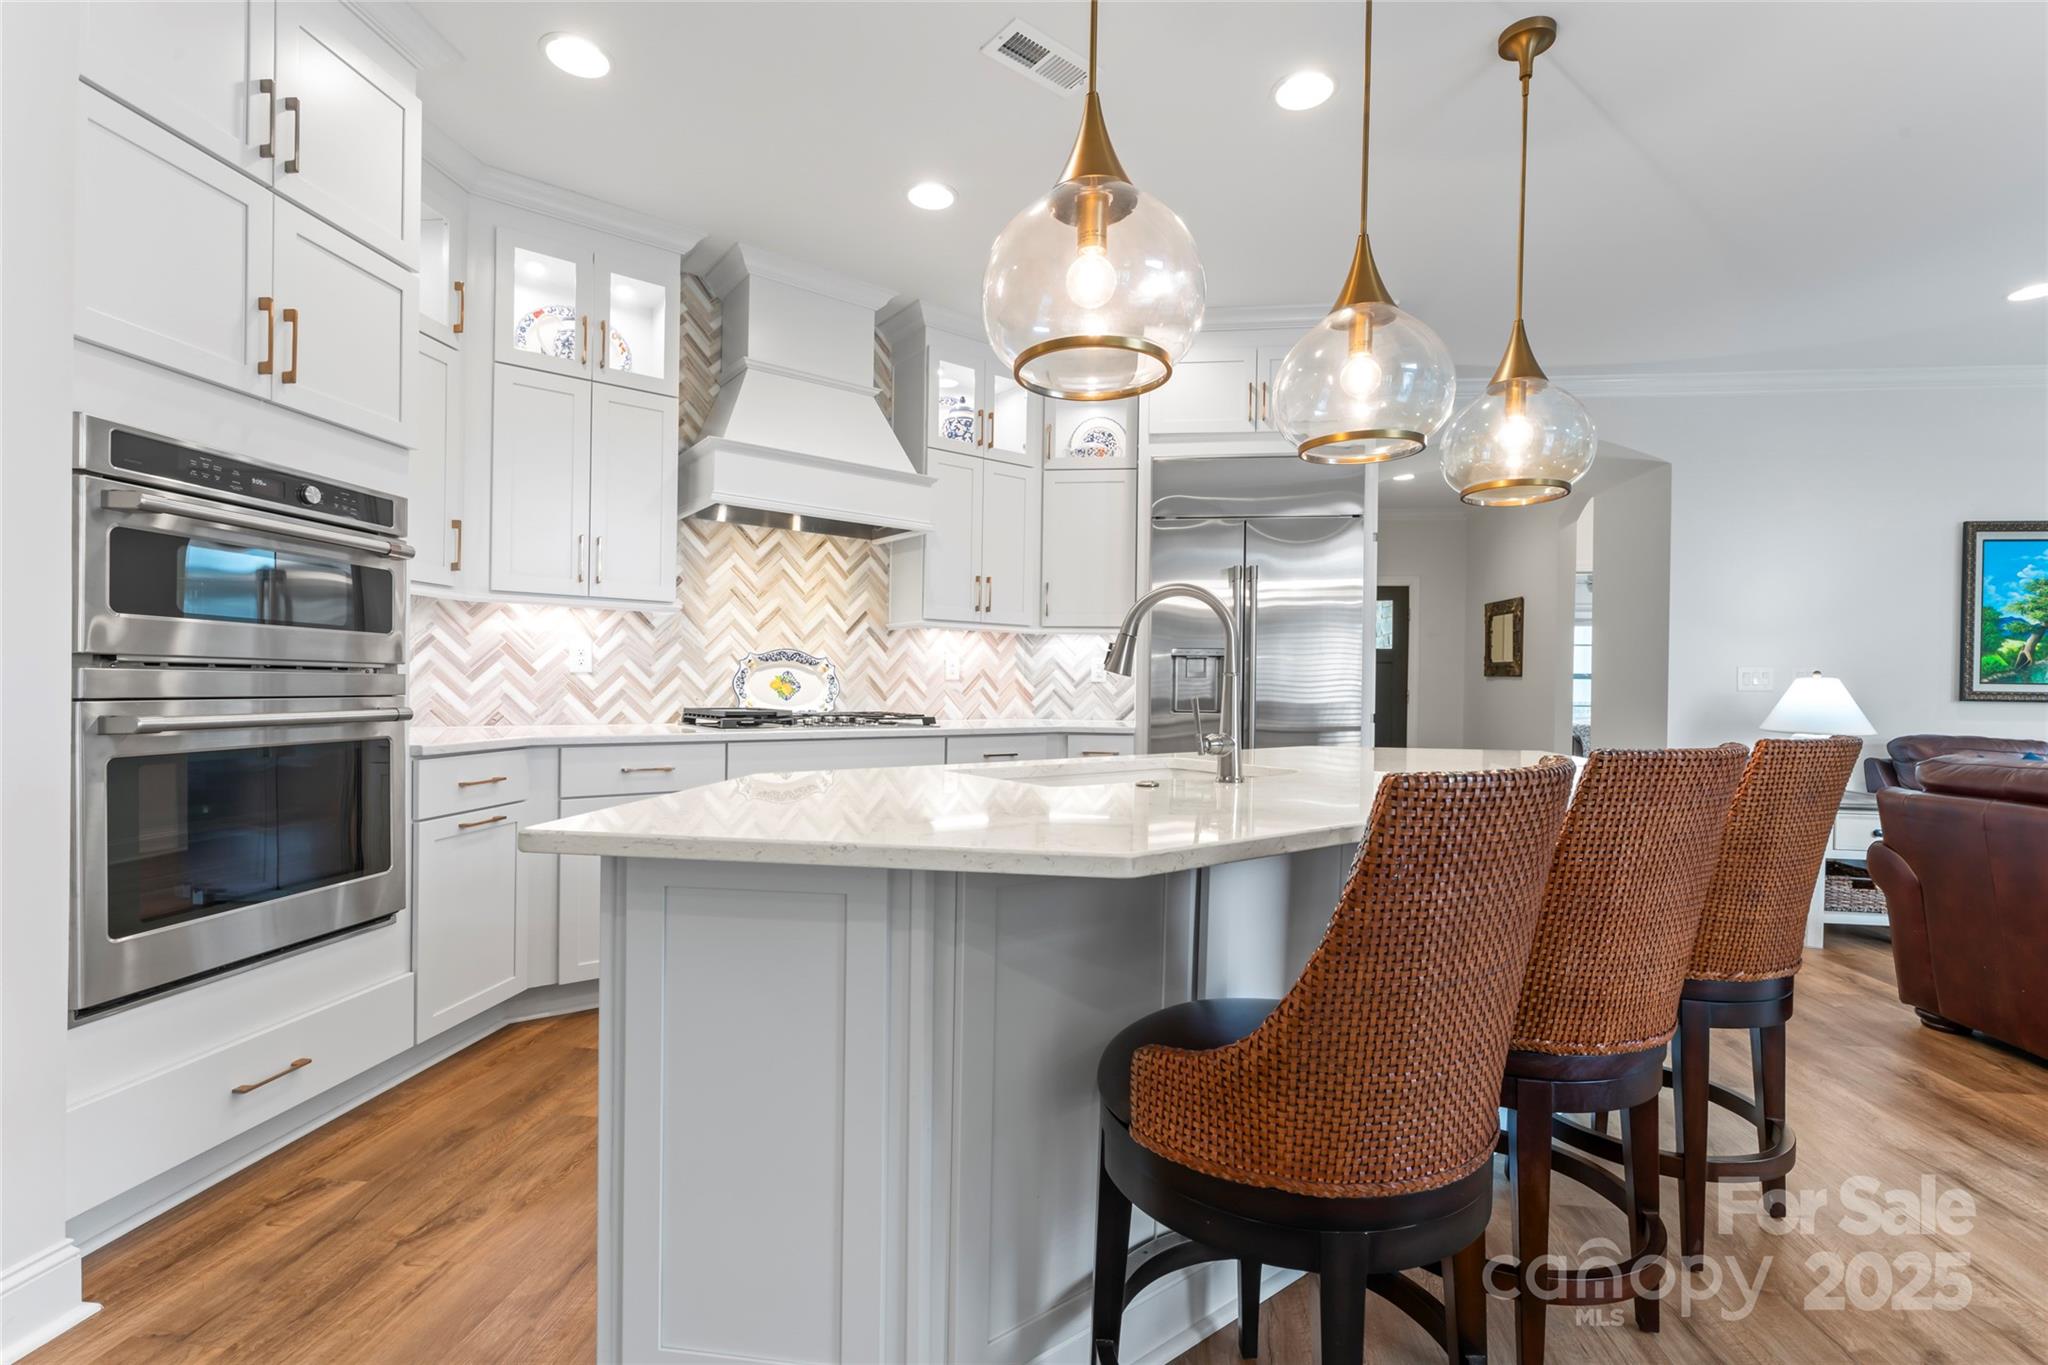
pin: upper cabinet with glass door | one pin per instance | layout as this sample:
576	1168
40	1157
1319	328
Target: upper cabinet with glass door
586	305
638	288
952	394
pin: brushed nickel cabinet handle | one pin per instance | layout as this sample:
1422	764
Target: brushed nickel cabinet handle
479	824
258	1085
298	113
291	374
269	361
579	559
652	768
268	87
455	562
480	782
461	307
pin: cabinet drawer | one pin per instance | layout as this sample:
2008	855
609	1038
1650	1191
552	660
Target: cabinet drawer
1004	748
1100	746
1855	833
465	782
635	769
811	755
116	1140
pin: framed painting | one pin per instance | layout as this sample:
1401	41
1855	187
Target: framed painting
2004	654
1501	645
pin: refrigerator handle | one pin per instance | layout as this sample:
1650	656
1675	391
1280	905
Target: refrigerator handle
1247	683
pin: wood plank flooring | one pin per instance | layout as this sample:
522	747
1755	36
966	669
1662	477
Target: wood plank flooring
451	1220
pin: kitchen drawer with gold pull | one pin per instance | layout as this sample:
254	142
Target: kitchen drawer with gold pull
627	769
1101	746
1005	748
248	1087
459	783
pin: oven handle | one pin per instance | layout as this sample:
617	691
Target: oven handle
135	500
164	725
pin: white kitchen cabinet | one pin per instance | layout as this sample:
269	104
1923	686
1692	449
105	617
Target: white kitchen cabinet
444	257
344	330
581	304
979	563
1005	748
951	393
757	757
471	887
435	481
1066	421
540	482
955	391
196	68
348	139
1089	548
951	572
1006	533
1220	398
178	284
1101	746
638	311
633	470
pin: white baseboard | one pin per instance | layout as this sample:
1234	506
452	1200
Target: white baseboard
41	1299
99	1225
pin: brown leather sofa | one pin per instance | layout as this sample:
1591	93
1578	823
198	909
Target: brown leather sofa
1909	751
1963	865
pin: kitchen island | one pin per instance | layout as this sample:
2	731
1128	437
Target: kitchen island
850	1021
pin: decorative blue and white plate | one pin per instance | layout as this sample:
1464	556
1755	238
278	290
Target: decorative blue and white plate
547	330
1098	438
786	680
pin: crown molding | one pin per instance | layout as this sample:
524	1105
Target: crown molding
1262	316
743	261
408	32
916	313
450	159
535	196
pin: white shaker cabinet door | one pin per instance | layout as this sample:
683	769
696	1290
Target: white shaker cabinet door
952	577
633	471
173	250
348	135
435	500
1009	544
1214	391
196	68
1090	548
346	347
540	482
469	930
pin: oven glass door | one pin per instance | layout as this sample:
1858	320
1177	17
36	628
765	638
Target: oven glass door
167	576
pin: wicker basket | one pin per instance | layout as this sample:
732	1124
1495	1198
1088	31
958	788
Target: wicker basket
1850	888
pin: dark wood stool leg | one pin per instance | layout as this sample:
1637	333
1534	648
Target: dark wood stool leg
1248	1276
1529	1171
1640	1173
1112	1256
1341	1296
1689	1058
1767	1055
1465	1305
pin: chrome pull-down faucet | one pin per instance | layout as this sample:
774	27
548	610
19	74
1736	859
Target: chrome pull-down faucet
1225	744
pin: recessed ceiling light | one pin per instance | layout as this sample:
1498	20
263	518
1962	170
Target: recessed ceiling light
1403	478
576	55
2028	293
1303	90
930	194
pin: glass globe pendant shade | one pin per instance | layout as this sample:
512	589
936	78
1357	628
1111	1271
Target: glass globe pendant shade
1093	292
1367	384
1523	441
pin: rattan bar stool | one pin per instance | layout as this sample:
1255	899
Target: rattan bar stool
1347	1129
1621	910
1752	934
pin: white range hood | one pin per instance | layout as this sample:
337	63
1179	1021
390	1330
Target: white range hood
796	438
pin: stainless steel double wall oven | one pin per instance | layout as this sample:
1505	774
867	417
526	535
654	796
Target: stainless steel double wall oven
239	713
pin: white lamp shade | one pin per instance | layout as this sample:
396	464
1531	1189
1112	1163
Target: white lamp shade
1818	705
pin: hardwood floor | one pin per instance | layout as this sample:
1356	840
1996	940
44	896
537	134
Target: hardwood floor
451	1220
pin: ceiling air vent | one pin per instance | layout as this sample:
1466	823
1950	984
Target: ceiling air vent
1031	54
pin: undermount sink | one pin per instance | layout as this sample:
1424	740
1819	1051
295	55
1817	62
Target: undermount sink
1157	775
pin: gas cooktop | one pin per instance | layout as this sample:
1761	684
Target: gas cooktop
716	718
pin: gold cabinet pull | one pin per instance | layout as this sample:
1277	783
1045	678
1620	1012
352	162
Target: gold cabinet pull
269	307
479	782
479	824
977	592
1100	753
461	307
455	561
269	89
1047	452
603	348
598	550
1265	403
258	1085
291	316
298	113
583	347
1251	401
579	559
992	757
988	589
1045	601
652	768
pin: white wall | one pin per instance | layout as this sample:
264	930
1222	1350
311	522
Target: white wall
1632	610
39	1269
1824	530
1427	553
1524	552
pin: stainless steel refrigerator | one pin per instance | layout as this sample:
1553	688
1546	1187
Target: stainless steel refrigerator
1284	542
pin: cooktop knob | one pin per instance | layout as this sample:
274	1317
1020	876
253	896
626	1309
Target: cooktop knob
310	494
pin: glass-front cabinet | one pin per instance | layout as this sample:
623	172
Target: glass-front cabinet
972	402
588	306
636	326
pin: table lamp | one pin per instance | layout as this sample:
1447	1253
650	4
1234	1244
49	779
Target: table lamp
1815	707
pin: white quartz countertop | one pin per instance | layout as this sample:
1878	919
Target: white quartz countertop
1081	817
431	740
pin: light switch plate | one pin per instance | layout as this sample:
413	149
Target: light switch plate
1750	678
579	658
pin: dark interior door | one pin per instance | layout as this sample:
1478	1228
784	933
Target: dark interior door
1390	670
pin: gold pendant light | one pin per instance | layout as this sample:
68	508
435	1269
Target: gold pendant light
1370	382
1095	290
1524	440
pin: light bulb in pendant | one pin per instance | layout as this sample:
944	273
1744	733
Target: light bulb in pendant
1360	376
1091	278
1513	436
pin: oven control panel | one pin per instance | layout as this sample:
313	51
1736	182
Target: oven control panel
205	471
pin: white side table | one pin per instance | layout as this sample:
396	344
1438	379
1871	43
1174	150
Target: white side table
1856	829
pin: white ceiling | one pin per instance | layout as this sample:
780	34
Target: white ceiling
1714	186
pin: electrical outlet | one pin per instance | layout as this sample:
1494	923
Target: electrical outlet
579	658
1750	678
952	670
